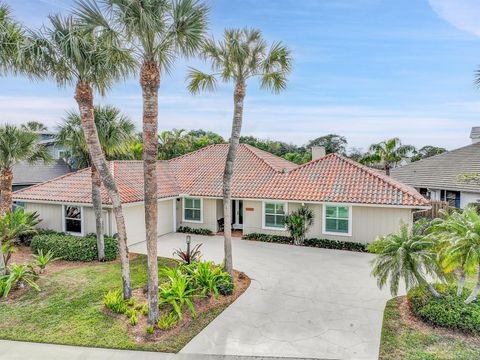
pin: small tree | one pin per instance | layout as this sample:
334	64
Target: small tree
298	222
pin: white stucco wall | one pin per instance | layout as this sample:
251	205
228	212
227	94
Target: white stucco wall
209	214
468	198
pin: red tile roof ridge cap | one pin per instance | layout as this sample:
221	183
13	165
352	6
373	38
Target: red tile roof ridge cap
51	180
194	152
313	162
253	150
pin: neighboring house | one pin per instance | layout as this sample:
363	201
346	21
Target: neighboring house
25	174
350	202
439	177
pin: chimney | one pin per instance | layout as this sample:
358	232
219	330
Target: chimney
475	134
319	151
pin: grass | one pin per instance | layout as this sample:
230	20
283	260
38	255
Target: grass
68	310
401	341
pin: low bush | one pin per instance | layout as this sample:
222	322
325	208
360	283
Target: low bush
73	248
18	276
208	278
113	300
168	320
189	230
319	243
149	329
178	292
449	311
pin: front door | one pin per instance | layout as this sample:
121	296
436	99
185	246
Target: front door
237	214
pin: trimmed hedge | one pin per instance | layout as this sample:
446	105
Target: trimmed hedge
189	230
73	248
449	311
319	243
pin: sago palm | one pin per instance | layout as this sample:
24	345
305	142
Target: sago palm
243	54
115	132
16	145
388	153
159	31
463	232
409	255
74	54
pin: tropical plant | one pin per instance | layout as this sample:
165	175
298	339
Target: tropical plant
190	255
149	330
388	153
8	248
113	300
409	255
115	133
74	54
461	230
16	145
34	126
206	277
11	35
298	222
159	31
172	144
19	276
42	260
177	292
242	55
12	225
426	152
168	320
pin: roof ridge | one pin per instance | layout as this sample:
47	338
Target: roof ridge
193	152
313	161
274	168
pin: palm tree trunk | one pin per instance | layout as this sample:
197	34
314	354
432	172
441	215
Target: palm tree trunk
473	296
422	281
6	183
461	282
84	98
97	209
3	267
150	82
238	98
387	169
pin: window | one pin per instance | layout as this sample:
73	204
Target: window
17	205
274	215
73	219
337	220
192	209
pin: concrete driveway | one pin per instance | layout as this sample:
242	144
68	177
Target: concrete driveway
303	302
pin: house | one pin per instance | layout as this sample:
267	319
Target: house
439	177
350	201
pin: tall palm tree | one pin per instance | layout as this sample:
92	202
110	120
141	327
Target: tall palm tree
159	31
11	34
115	132
74	54
407	255
388	153
16	145
463	232
242	55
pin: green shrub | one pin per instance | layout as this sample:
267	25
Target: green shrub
319	243
207	277
168	320
449	311
149	329
73	248
17	277
189	230
177	292
144	310
113	300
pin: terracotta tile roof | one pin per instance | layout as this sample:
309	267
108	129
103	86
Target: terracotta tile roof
257	174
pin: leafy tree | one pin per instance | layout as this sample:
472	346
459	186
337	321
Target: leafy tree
297	158
115	133
332	143
426	152
409	255
73	53
240	56
172	144
388	153
34	126
12	225
16	145
11	35
159	32
355	154
298	222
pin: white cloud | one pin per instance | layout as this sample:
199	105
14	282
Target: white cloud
463	14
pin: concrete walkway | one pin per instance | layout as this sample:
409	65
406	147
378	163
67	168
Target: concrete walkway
303	302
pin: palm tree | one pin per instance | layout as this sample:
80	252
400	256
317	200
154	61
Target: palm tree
11	33
159	31
16	145
172	144
240	56
389	153
115	133
34	126
12	225
74	54
462	230
405	256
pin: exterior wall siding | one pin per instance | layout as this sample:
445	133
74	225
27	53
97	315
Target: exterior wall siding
209	214
51	215
367	222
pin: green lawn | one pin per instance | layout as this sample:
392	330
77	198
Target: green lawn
67	310
402	342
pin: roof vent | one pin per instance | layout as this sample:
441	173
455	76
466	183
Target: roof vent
475	134
284	170
319	152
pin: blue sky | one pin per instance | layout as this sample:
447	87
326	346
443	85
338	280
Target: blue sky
365	69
